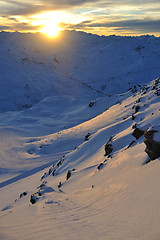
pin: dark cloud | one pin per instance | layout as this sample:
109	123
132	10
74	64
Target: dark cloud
137	24
145	25
32	7
15	25
81	25
12	19
25	27
2	28
24	7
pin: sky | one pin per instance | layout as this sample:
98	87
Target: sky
103	17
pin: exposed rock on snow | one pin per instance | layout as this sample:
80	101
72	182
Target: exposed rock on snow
87	137
33	199
137	109
108	149
59	185
23	194
91	104
100	166
152	146
68	174
137	133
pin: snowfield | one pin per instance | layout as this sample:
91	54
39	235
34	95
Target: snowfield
79	137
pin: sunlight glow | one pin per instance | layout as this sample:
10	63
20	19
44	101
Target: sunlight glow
49	22
51	29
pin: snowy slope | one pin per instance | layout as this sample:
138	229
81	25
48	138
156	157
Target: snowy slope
114	196
71	167
77	64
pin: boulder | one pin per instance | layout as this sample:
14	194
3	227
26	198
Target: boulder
33	199
68	174
137	109
137	133
23	194
152	146
108	149
100	166
87	137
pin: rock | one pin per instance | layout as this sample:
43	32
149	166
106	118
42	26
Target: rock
137	133
138	100
134	126
59	163
137	109
33	199
87	137
108	149
39	193
68	174
100	166
152	146
59	185
43	176
23	194
42	185
133	117
91	104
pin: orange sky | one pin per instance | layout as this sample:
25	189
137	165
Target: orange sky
100	17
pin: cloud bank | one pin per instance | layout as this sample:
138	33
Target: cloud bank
104	16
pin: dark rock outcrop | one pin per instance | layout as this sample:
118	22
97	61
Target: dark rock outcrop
87	137
137	133
91	104
137	109
59	185
152	147
108	149
33	199
23	194
68	174
100	166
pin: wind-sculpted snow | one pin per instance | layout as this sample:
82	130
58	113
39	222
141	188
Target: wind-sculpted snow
101	180
75	168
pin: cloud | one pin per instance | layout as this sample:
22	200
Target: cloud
25	27
12	19
28	7
15	25
119	15
149	24
2	28
17	7
138	25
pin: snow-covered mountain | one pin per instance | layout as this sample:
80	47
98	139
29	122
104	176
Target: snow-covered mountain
80	128
73	65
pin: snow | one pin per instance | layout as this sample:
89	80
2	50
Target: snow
61	102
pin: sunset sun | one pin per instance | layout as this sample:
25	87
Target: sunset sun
51	29
49	22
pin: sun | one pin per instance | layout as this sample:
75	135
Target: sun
51	29
49	22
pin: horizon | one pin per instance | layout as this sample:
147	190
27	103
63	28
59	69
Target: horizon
58	36
96	17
